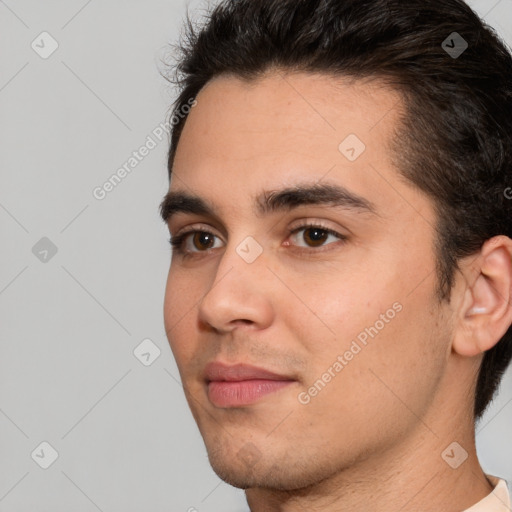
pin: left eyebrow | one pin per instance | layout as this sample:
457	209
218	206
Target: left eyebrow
270	201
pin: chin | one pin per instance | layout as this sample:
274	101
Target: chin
282	475
248	478
242	469
239	479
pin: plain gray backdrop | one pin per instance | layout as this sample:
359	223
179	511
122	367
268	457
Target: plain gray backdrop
85	365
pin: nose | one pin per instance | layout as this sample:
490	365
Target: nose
239	293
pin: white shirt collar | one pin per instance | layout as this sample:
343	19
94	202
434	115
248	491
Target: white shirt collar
497	501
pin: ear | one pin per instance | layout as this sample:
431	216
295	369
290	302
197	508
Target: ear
485	313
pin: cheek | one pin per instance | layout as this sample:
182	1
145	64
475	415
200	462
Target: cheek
379	388
367	313
383	290
393	352
171	303
332	306
180	306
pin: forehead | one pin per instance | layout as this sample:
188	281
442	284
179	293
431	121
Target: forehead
305	105
280	129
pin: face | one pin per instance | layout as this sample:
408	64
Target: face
301	301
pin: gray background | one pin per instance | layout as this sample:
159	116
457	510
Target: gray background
69	322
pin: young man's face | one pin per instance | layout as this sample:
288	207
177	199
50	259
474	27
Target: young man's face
349	323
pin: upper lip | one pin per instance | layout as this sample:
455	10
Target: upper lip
217	371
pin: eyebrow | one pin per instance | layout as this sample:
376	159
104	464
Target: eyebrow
272	201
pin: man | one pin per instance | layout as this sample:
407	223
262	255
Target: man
339	295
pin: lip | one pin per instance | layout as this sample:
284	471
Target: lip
217	371
240	384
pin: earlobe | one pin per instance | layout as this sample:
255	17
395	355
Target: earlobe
486	311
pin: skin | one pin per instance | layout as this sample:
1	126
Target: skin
372	438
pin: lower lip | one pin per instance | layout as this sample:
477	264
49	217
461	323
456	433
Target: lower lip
243	392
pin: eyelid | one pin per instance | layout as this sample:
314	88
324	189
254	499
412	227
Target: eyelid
301	223
314	222
192	228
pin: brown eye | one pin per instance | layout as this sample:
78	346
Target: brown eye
194	242
315	236
202	240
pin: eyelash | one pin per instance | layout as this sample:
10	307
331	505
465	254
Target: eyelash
178	241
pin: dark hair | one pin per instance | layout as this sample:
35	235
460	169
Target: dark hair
454	142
